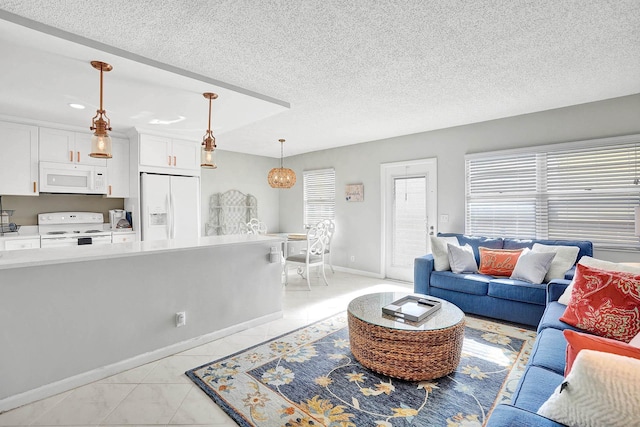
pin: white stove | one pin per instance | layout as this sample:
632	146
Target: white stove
59	229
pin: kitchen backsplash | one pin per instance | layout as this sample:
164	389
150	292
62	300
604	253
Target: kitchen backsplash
27	208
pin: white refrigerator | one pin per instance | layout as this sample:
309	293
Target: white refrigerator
170	206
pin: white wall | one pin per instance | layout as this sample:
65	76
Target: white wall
247	174
358	225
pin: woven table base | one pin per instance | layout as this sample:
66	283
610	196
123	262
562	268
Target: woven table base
408	355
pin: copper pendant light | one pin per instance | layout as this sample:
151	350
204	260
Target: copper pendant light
101	141
208	140
281	177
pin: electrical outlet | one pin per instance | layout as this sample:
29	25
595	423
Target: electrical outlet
181	318
444	218
353	258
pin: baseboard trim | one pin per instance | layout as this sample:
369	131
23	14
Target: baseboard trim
358	272
97	374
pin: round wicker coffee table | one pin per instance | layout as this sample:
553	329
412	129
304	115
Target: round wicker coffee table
403	349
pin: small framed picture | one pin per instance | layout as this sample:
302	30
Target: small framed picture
354	192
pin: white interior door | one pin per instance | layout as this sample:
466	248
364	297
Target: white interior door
410	214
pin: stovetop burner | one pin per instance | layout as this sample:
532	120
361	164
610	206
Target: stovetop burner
57	232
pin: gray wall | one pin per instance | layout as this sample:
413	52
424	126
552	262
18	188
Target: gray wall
358	225
247	174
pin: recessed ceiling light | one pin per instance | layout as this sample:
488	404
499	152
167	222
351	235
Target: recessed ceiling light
77	106
166	122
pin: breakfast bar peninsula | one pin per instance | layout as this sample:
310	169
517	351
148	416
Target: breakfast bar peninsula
74	315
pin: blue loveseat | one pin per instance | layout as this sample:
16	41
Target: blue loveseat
500	298
544	371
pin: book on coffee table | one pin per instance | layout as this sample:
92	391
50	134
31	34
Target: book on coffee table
412	307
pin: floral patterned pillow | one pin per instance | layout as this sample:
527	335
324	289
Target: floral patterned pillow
605	303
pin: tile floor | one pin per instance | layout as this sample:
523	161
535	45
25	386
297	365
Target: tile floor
159	394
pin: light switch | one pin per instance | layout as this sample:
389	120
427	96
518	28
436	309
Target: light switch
444	218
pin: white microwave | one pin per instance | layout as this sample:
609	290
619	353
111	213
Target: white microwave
72	178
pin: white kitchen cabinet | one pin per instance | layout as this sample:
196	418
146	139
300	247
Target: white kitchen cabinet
19	244
18	159
118	169
158	151
63	146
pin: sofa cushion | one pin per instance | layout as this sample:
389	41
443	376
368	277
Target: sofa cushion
440	252
551	318
532	266
498	262
586	247
566	257
600	264
605	303
476	241
517	290
475	284
512	416
461	259
578	341
549	351
535	387
602	389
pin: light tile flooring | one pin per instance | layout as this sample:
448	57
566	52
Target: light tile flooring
159	394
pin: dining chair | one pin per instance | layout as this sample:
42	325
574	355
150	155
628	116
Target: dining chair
331	228
313	256
255	226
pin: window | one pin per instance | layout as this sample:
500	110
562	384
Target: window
319	195
584	190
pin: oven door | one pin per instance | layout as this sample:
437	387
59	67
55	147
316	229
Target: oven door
72	178
66	241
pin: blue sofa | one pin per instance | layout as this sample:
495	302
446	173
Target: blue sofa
544	371
501	298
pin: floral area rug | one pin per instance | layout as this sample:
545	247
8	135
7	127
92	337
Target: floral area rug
309	377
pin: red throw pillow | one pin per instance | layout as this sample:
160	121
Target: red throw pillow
605	303
498	262
577	341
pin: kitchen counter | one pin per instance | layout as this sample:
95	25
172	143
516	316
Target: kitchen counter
25	232
89	312
45	256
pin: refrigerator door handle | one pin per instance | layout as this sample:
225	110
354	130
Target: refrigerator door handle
173	217
169	216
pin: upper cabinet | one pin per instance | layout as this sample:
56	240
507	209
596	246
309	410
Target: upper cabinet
18	159
118	169
169	154
62	146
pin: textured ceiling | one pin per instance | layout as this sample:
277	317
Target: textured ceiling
361	70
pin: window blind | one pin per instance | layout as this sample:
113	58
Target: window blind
319	195
579	191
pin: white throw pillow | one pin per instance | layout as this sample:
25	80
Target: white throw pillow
462	259
565	258
587	261
602	390
532	266
440	252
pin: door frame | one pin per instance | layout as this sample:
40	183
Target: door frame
432	208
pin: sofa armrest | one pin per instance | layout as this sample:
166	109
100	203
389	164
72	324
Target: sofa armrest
508	415
555	288
422	268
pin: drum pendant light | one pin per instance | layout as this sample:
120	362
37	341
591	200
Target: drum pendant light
101	141
208	140
281	177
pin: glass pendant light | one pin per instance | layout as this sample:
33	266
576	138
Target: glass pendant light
208	140
101	141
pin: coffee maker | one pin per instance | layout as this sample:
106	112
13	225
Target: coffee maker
118	219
